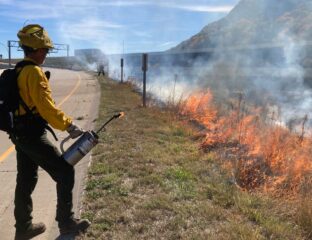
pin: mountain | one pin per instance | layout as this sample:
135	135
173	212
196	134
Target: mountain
256	22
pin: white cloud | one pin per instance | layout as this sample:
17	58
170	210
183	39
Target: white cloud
141	34
90	29
21	15
64	9
125	3
6	1
189	5
206	8
23	10
193	6
97	22
168	44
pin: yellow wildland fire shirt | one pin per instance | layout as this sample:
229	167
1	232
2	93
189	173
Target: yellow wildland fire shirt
34	89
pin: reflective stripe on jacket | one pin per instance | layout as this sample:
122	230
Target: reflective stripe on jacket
35	90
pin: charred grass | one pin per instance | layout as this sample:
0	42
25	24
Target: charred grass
149	179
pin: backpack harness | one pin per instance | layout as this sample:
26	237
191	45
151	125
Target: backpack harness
29	124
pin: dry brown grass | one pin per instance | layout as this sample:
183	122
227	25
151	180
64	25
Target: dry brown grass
149	179
261	153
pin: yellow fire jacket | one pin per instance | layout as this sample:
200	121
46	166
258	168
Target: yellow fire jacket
34	89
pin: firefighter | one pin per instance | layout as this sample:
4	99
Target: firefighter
101	69
33	149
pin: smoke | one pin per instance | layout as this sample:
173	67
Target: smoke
285	83
259	50
268	68
273	82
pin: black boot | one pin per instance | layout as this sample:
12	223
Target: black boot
74	226
30	232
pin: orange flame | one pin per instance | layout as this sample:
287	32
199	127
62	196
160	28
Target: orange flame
121	114
266	155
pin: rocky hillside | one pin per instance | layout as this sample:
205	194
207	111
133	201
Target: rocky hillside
256	22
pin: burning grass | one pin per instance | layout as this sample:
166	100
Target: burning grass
149	179
260	154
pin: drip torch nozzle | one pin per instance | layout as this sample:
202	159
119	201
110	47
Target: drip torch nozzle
118	115
121	114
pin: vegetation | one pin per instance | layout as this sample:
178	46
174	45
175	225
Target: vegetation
150	179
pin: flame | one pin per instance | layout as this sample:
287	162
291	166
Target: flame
121	114
266	154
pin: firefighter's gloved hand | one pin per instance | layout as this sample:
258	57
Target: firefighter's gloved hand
74	130
47	74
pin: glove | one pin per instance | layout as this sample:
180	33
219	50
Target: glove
74	131
48	74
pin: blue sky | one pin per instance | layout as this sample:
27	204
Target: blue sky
111	25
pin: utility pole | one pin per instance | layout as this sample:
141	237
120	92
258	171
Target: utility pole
121	66
144	69
9	53
57	47
11	43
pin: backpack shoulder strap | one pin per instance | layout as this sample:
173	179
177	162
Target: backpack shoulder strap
18	68
24	63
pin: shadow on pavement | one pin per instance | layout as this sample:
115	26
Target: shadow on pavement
69	237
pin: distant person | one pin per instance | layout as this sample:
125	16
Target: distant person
33	149
101	69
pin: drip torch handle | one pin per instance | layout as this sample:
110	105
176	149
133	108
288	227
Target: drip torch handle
63	142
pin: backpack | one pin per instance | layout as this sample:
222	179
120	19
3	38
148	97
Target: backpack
9	96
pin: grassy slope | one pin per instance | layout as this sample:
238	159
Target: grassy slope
149	180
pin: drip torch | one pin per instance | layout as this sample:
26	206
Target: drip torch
84	143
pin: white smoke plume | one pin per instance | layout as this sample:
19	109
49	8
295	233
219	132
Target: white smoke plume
269	74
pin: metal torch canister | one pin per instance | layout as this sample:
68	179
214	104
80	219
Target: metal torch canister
80	148
84	144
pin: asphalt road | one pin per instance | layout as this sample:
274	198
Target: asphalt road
77	94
